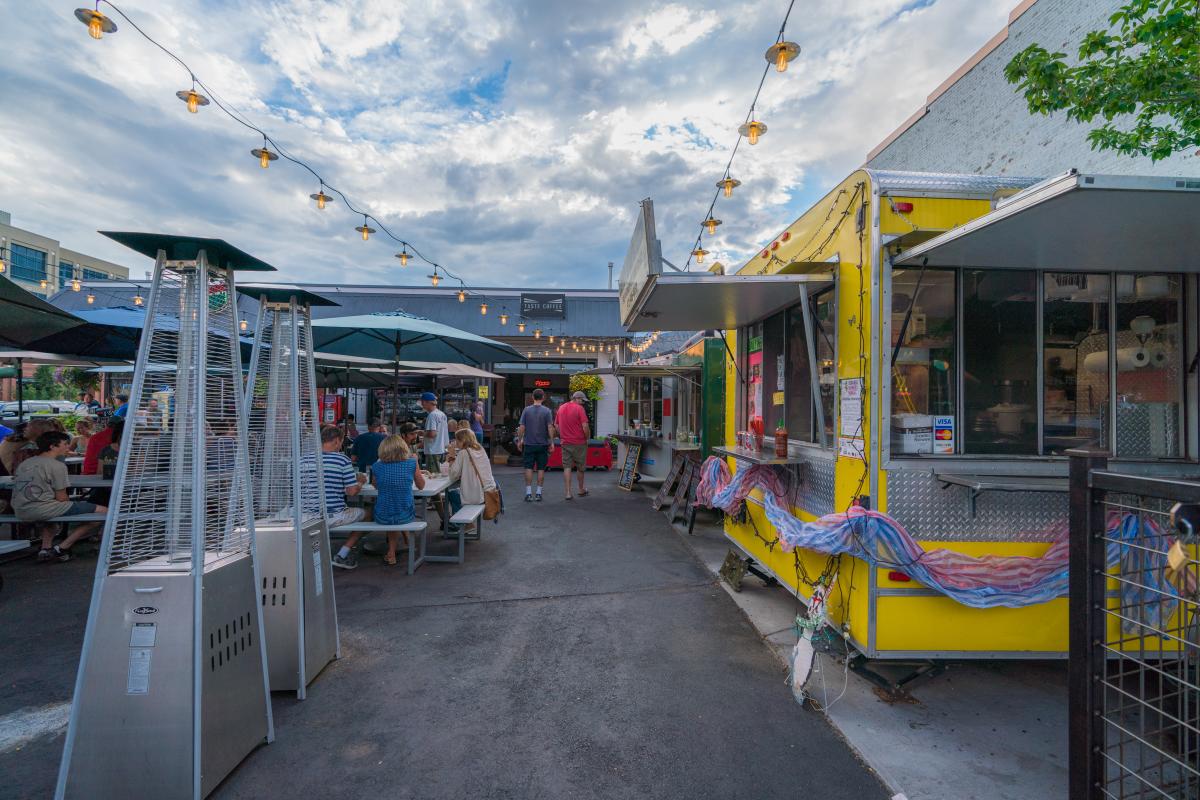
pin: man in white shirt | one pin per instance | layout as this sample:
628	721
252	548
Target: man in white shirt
437	435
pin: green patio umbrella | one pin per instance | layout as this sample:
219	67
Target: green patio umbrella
26	317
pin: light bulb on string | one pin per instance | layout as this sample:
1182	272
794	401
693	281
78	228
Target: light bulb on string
552	338
537	333
76	285
97	23
365	229
503	318
728	184
521	326
711	223
3	267
91	299
699	253
264	155
321	197
462	296
137	298
483	309
781	53
435	278
43	283
193	99
752	130
243	325
403	255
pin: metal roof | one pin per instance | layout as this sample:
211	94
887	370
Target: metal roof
946	183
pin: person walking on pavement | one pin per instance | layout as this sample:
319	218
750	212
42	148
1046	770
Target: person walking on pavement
572	424
535	434
437	435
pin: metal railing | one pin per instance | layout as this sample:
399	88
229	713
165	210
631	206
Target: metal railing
1134	635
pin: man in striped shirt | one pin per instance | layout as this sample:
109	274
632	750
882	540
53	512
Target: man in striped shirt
340	479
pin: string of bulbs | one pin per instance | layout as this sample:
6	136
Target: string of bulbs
778	55
99	24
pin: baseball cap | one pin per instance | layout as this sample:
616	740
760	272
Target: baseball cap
428	397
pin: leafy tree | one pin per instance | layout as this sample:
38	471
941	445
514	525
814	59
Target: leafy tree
1144	70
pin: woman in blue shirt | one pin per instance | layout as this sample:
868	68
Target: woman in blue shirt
394	475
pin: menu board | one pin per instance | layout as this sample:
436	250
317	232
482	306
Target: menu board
684	492
633	453
664	491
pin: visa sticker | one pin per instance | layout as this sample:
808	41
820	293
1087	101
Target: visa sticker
943	435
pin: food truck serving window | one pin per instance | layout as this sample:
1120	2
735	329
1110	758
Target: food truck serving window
1024	362
778	374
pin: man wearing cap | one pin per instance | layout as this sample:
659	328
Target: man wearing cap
535	434
437	435
572	424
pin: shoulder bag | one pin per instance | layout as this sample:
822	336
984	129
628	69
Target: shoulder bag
491	497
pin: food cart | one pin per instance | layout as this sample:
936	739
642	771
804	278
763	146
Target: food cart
932	345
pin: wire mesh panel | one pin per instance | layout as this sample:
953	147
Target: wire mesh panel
182	476
1142	660
281	401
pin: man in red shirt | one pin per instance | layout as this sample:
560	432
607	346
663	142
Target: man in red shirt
96	445
572	425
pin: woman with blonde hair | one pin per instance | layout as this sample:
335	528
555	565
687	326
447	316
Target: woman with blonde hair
471	468
83	432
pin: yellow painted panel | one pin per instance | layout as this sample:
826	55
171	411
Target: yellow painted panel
939	624
930	213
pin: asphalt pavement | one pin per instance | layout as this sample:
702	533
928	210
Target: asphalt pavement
581	652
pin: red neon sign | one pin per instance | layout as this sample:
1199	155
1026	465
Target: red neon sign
541	383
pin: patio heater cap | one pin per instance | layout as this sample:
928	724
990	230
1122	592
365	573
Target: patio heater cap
752	130
728	184
365	229
97	24
781	53
193	99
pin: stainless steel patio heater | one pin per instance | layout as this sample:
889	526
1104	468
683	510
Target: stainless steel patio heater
298	607
172	687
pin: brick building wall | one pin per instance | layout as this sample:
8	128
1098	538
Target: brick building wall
977	122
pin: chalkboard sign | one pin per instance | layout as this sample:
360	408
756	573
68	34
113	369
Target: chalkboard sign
633	454
664	491
679	503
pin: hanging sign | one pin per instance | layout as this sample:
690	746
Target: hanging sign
633	453
544	306
850	406
482	391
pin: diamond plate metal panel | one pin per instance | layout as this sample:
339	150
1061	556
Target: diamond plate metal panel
936	514
816	493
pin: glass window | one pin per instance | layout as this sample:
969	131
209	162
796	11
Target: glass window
1000	361
94	275
1149	365
27	263
799	380
774	368
66	271
1075	311
924	379
825	323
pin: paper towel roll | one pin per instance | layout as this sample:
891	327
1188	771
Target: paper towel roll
1128	358
1158	356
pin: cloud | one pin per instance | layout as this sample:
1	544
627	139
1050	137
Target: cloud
508	141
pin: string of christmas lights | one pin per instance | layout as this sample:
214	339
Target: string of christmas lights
777	55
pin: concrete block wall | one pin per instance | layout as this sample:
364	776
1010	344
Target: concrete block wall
980	124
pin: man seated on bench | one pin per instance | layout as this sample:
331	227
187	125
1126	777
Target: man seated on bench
340	479
394	475
40	493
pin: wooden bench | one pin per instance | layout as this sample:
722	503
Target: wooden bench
416	526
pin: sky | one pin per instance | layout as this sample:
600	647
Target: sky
509	141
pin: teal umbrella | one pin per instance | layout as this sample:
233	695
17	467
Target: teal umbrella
395	334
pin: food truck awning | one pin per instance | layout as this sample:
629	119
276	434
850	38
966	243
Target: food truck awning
1079	223
702	301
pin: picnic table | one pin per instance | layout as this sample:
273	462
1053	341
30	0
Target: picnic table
435	486
77	482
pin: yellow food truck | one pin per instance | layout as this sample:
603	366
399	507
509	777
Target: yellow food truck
932	345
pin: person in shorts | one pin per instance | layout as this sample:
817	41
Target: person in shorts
535	434
437	433
574	431
340	479
40	493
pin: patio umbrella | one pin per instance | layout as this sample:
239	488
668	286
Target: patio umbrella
108	333
22	357
27	317
392	334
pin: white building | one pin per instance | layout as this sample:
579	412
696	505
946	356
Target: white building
42	265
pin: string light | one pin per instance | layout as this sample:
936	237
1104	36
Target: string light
699	253
503	318
483	309
552	338
537	333
97	23
521	326
462	296
644	345
403	256
264	155
91	299
321	197
43	283
243	325
727	185
76	285
711	223
781	53
193	99
137	298
365	229
435	278
752	130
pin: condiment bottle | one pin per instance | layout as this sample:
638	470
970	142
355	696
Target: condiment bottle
781	441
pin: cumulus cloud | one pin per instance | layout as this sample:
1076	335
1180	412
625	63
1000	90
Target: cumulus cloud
510	141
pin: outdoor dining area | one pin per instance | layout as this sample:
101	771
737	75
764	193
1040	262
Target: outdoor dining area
220	501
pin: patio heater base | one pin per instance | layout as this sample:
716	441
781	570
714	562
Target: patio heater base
283	615
145	742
